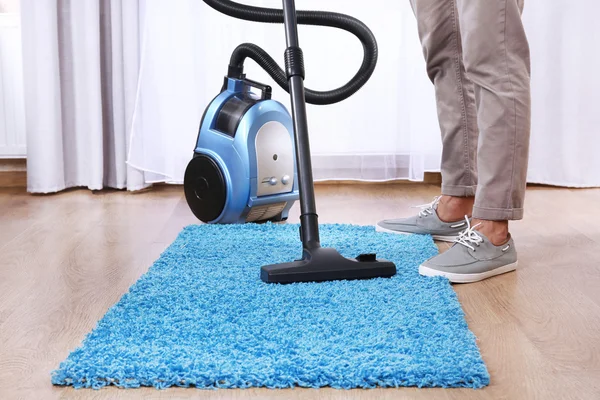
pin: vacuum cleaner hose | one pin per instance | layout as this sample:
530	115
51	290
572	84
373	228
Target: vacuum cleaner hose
319	18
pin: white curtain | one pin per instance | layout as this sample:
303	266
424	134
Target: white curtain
80	70
88	109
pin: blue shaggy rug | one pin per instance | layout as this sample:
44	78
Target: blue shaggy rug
202	317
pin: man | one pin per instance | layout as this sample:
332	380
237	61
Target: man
477	57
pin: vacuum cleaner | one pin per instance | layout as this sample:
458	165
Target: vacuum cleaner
252	159
243	169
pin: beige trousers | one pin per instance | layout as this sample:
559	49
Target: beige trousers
477	57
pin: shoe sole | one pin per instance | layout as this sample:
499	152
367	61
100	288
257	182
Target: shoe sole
468	278
440	238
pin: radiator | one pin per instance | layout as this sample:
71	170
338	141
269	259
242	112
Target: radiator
12	107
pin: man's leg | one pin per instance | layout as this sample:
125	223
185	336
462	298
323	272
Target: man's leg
496	57
439	32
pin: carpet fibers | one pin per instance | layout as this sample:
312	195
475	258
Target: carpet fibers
202	317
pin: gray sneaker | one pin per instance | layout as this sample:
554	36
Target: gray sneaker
426	222
472	258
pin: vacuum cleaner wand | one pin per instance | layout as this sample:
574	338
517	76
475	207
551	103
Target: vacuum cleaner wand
317	263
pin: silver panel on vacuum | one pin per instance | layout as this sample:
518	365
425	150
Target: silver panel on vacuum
275	159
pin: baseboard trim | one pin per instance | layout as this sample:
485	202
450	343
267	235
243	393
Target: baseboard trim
11	179
13	172
430	178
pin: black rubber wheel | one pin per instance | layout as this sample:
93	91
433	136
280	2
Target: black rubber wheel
204	187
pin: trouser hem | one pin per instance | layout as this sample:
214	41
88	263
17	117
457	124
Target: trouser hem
497	214
459	191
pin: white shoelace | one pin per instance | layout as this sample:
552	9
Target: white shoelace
429	208
469	236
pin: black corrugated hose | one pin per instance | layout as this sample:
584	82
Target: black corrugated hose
319	18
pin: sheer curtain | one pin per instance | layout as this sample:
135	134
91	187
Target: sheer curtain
387	130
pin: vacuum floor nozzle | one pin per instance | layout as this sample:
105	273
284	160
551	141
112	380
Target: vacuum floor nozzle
326	264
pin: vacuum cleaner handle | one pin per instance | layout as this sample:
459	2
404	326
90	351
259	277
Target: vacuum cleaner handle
265	90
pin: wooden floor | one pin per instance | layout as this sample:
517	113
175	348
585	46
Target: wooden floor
66	258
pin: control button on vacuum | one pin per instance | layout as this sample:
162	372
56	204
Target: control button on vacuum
273	181
285	180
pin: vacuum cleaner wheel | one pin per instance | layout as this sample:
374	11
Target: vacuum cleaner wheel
204	187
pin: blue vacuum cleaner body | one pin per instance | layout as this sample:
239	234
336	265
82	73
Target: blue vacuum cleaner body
244	164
